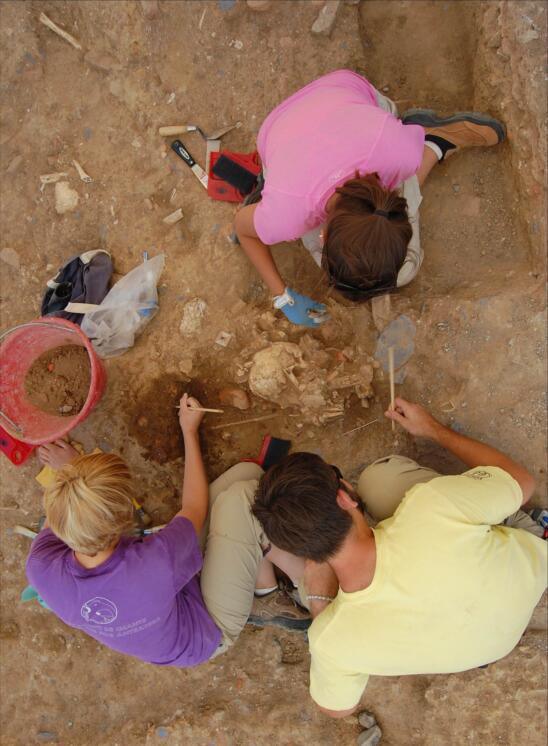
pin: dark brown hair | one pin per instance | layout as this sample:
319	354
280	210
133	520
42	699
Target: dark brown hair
297	507
362	248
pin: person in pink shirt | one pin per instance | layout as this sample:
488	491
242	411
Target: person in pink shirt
334	159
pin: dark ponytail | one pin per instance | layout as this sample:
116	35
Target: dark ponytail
367	234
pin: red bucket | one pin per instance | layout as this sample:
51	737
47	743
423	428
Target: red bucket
19	349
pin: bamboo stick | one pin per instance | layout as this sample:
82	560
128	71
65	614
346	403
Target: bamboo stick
392	387
202	409
360	427
244	422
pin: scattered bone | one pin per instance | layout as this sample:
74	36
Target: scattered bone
81	173
307	376
223	339
268	375
233	397
325	21
51	179
448	406
59	31
381	310
174	217
193	316
66	199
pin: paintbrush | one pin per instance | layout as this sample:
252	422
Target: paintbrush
202	409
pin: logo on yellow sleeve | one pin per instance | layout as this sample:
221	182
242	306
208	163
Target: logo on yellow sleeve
479	474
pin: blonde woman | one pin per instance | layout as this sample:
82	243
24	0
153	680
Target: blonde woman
144	596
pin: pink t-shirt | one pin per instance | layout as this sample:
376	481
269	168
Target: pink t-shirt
316	140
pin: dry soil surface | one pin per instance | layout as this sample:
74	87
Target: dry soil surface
478	362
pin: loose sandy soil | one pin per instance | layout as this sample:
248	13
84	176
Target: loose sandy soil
58	381
479	360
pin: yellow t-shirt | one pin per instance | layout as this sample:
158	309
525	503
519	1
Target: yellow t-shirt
451	591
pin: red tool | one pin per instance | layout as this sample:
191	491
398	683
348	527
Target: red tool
220	189
17	451
272	450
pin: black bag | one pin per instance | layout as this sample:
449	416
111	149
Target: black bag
83	279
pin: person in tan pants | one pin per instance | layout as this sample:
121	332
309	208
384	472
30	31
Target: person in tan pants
238	560
445	581
383	485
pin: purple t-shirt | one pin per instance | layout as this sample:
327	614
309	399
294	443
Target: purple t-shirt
144	601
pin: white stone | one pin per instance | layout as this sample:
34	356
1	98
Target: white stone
326	18
193	317
66	199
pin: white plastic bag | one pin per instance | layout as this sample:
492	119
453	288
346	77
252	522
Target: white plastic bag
125	310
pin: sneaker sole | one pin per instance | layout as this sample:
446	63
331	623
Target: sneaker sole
429	118
296	625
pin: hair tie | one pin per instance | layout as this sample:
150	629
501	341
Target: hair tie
384	213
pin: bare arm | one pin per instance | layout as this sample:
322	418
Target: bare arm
195	499
256	250
319	580
417	421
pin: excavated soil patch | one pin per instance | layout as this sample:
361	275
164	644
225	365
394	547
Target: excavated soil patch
58	381
155	423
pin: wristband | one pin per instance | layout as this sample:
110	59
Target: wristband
320	598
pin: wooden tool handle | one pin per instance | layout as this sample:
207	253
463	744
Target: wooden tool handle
176	129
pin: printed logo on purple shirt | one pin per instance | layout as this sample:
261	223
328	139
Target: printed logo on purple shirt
99	610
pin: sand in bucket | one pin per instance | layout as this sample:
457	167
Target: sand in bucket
29	409
58	381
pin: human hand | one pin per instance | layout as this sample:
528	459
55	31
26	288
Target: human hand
56	454
189	419
300	309
414	418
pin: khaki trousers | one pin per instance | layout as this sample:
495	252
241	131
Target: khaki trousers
234	542
383	484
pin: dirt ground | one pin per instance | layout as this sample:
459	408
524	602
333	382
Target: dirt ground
479	359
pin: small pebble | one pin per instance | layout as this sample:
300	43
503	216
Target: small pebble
370	737
65	409
366	719
46	735
456	188
11	257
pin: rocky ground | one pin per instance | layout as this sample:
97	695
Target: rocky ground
475	315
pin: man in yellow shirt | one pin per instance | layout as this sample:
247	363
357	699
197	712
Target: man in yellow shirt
446	581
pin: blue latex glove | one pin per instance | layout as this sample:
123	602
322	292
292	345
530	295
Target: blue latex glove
296	307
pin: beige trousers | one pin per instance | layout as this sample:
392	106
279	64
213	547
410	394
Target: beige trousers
383	484
234	542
